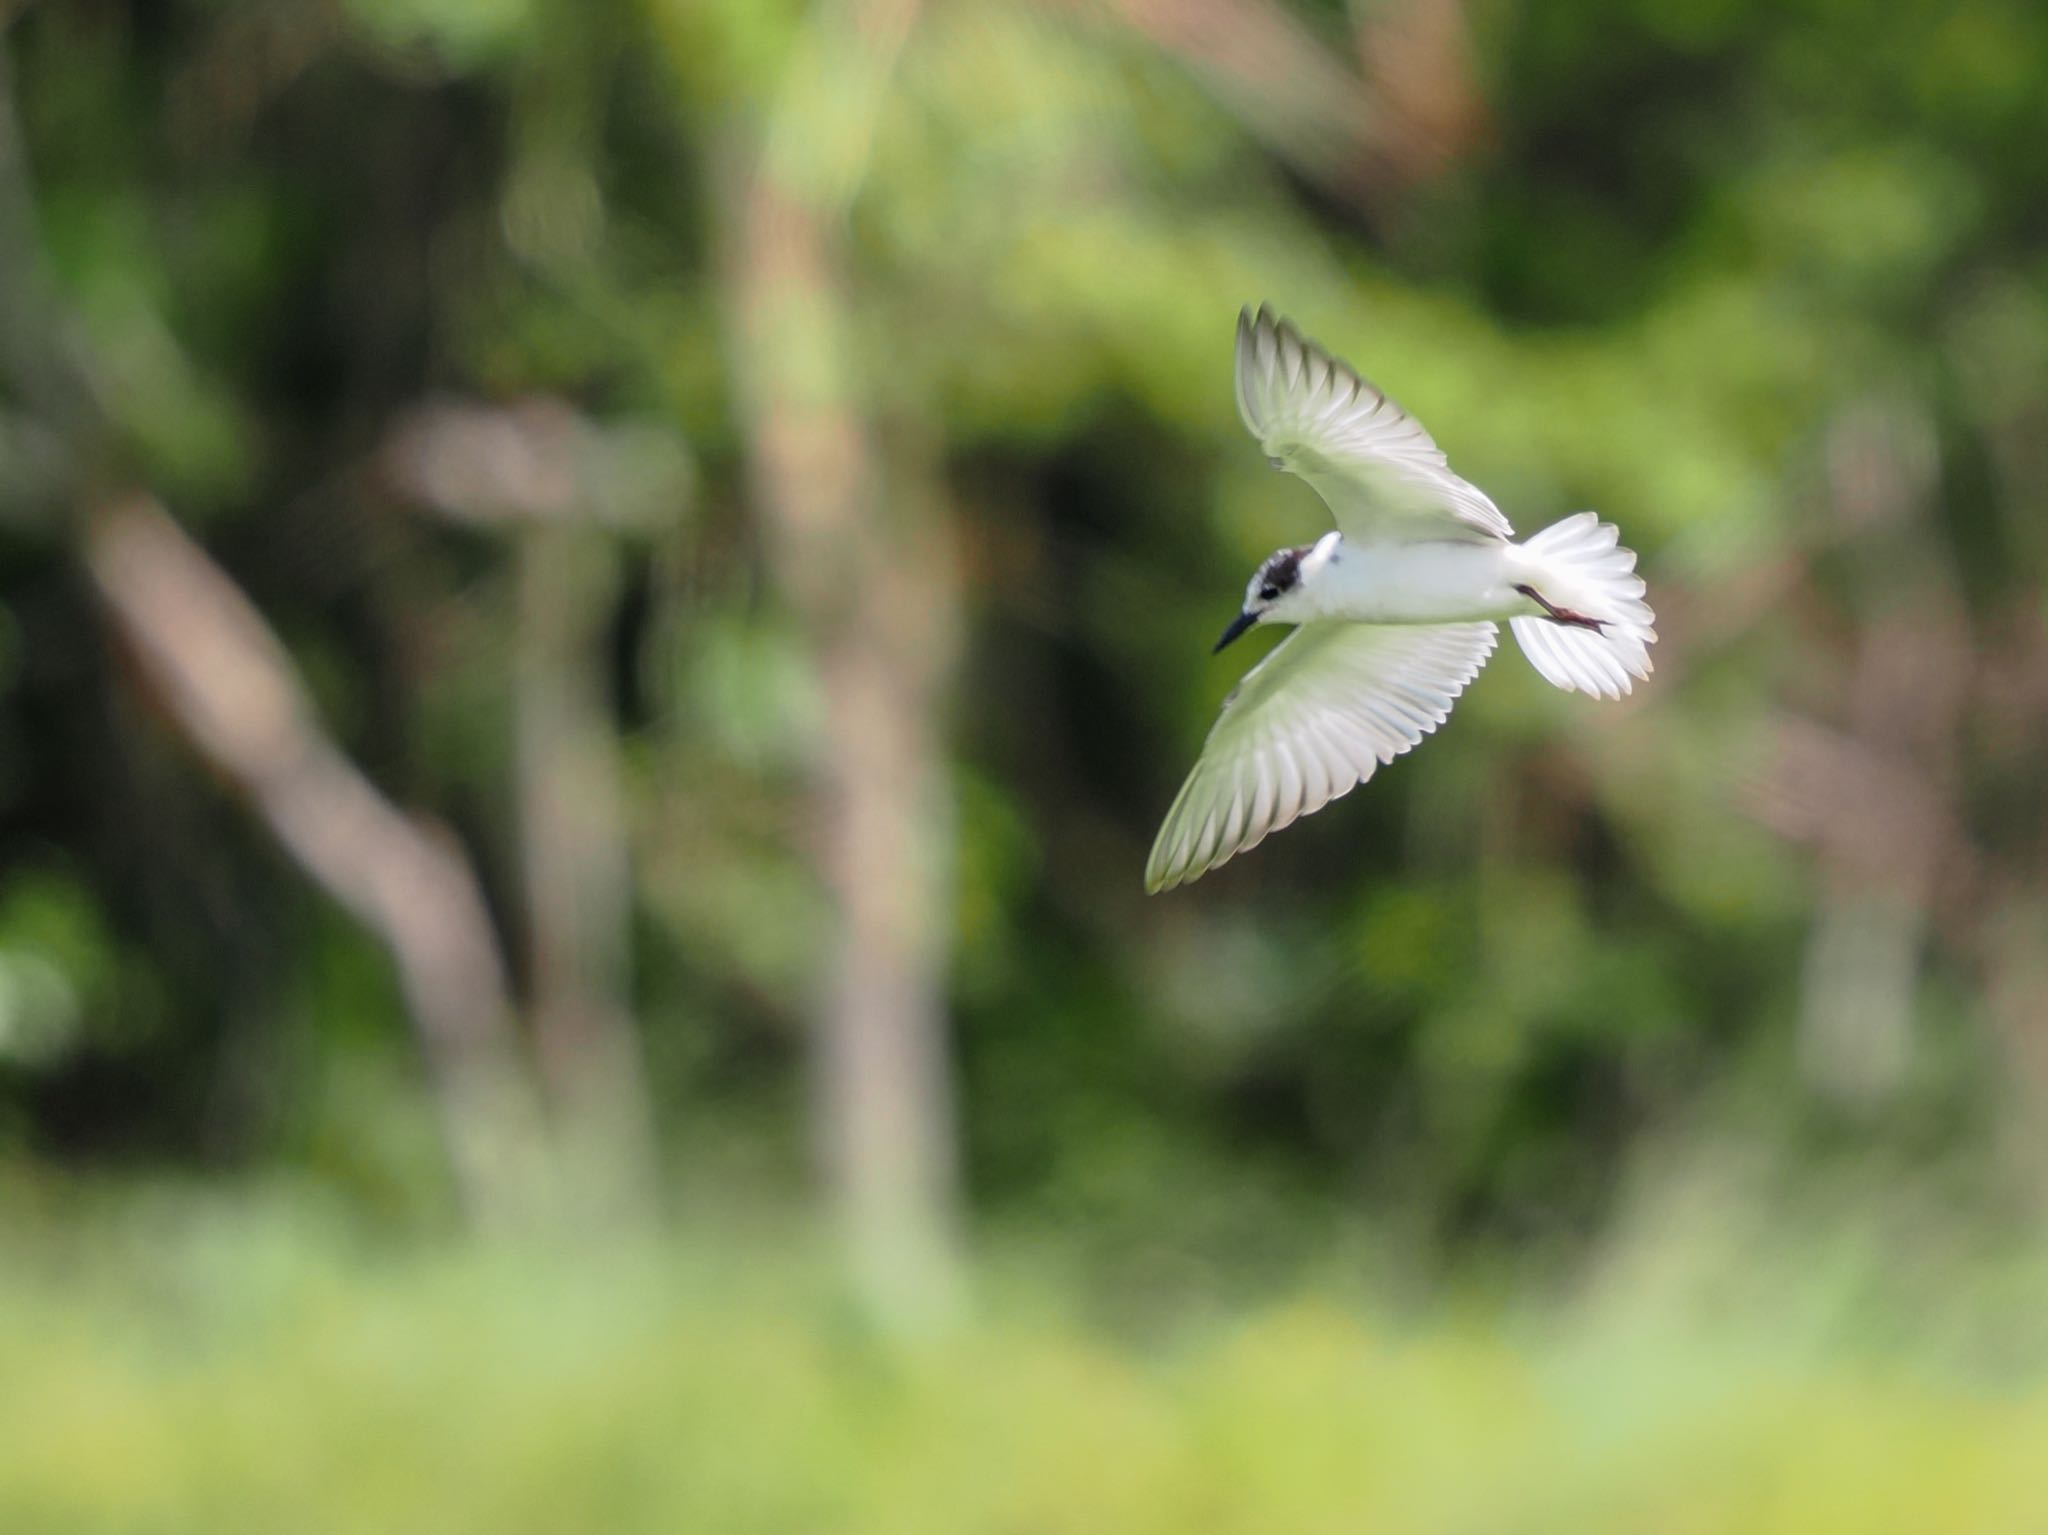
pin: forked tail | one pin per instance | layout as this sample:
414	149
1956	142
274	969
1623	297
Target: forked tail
1579	568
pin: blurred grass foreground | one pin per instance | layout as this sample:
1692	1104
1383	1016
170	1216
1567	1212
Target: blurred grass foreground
186	1369
599	600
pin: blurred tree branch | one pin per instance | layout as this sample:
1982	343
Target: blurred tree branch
1364	138
1417	58
228	685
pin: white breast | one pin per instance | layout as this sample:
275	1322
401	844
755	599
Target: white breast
1420	583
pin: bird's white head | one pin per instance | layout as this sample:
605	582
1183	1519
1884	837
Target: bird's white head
1283	589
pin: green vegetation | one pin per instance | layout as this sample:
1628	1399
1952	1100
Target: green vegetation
600	599
191	1366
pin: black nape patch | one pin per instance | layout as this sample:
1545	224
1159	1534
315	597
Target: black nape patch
1282	571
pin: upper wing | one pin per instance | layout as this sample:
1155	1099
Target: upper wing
1316	717
1368	458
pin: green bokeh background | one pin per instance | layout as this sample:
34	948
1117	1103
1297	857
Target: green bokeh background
1614	1117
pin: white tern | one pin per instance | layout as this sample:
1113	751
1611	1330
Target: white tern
1394	612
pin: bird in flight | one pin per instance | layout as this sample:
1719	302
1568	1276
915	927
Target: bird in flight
1394	612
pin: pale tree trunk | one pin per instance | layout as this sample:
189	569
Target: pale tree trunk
859	547
578	877
564	494
1881	859
883	1081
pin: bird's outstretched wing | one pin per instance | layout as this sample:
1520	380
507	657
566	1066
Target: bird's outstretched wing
1315	718
1381	473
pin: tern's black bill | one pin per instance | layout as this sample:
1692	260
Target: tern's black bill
1238	625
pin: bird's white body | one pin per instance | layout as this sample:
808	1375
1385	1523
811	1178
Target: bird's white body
1394	612
1431	582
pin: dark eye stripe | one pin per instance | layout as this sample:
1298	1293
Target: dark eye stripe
1268	593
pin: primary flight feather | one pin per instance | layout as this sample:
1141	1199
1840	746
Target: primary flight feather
1394	612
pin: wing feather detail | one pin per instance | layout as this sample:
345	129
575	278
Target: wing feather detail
1380	472
1307	725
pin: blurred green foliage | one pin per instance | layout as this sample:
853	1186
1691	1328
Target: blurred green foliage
192	1367
1765	282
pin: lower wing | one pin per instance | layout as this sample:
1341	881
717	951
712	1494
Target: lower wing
1310	722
